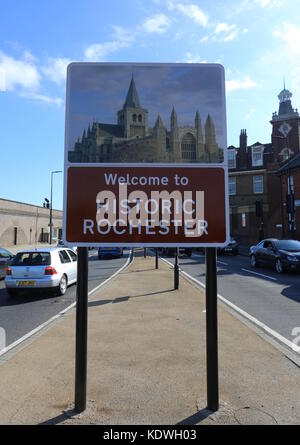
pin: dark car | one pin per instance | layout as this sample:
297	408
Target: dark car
232	247
110	252
280	254
5	259
170	251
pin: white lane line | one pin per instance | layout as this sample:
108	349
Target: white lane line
260	274
64	311
222	262
245	314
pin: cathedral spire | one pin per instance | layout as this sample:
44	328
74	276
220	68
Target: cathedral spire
132	98
210	134
159	123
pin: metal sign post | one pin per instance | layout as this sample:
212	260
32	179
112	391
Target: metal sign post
81	330
176	270
212	330
152	184
156	258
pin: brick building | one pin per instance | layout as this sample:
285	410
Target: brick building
259	178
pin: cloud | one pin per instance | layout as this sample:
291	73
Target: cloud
17	74
223	33
43	98
190	58
56	69
237	84
193	12
158	23
250	113
290	34
122	38
265	3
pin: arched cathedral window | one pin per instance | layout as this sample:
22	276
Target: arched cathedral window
140	118
188	147
134	118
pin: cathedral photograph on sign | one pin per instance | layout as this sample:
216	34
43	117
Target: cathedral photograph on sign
145	113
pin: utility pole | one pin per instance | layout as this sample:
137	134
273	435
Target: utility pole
51	203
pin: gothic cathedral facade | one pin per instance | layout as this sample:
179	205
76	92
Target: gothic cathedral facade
131	139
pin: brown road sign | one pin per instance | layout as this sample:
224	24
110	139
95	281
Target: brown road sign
146	205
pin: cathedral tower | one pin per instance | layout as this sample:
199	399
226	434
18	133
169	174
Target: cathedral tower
133	118
174	137
211	146
201	156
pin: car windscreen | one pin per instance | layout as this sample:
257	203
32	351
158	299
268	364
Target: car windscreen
291	245
32	259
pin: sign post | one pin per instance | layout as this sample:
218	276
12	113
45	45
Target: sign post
81	330
152	173
212	330
176	270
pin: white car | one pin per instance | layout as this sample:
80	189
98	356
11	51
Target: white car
51	268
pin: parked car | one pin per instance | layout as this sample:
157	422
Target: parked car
50	269
170	251
60	243
110	252
232	247
5	259
280	254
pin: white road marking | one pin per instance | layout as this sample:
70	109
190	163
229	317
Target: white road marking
245	314
260	274
222	262
63	312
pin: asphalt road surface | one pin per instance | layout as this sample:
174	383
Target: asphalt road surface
272	298
20	315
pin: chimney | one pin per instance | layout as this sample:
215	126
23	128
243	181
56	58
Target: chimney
243	154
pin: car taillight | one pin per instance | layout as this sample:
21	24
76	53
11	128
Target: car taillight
8	271
50	270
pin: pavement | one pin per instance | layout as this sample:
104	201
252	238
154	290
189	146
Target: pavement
147	364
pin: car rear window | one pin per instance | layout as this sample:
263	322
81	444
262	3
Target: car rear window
288	245
32	259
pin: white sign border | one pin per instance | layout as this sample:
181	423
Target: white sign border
68	165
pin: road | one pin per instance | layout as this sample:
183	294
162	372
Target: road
20	315
271	298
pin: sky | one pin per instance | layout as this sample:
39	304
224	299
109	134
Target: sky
257	42
98	92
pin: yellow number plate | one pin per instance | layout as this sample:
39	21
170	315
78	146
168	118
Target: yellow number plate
26	283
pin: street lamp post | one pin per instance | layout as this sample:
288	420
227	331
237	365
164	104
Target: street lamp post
50	224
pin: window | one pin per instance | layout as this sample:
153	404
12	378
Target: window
257	156
64	257
188	147
231	159
232	185
243	219
134	118
72	255
140	118
258	186
32	259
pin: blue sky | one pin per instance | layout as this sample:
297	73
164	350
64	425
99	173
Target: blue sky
257	41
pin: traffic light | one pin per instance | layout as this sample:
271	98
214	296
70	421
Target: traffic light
258	209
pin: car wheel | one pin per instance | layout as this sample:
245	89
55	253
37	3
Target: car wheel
253	261
278	266
63	284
